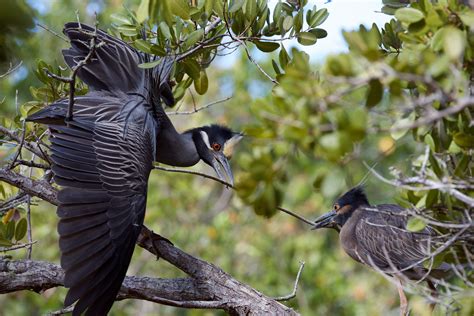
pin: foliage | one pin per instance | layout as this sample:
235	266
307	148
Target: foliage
401	97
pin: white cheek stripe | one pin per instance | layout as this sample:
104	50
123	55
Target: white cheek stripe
205	138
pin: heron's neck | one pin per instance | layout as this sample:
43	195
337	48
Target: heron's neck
175	149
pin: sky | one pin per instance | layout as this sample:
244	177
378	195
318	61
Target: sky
344	15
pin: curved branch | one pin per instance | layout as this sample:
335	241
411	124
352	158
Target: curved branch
207	287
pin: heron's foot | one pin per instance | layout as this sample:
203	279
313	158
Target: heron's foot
154	237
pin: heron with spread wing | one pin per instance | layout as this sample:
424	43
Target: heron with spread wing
103	156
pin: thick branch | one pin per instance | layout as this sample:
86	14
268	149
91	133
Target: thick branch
233	296
39	276
209	286
39	188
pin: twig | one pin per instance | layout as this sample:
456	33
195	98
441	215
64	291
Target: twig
13	202
18	152
200	45
195	110
52	32
19	246
460	105
30	146
301	218
11	69
31	164
177	170
295	287
72	78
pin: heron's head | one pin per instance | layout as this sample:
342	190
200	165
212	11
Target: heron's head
215	145
342	209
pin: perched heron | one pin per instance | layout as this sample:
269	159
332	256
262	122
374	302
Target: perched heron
377	236
103	156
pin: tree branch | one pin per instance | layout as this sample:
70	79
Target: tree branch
208	287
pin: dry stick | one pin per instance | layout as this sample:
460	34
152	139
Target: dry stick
20	147
195	110
16	247
301	218
52	32
11	69
33	148
72	79
177	170
295	287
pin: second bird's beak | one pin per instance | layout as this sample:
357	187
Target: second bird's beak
325	220
220	162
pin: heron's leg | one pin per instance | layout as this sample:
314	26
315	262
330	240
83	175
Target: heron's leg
153	237
403	299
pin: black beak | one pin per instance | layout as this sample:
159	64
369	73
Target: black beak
325	220
220	162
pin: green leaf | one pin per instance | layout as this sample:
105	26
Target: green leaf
283	57
142	45
142	11
127	30
10	230
431	198
180	8
5	243
119	19
454	42
320	33
430	142
150	64
202	83
165	30
307	38
251	10
399	126
415	224
192	68
266	46
464	140
20	230
375	93
468	18
193	38
287	23
236	5
409	15
319	17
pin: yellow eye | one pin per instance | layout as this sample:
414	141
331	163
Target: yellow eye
216	146
336	207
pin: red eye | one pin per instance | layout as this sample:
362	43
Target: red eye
216	146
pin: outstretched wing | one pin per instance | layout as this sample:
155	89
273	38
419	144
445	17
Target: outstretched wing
383	239
104	172
113	67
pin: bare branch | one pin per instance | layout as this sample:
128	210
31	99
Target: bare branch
177	170
11	69
295	287
301	218
195	110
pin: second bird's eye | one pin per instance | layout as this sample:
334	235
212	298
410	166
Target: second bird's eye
216	146
336	207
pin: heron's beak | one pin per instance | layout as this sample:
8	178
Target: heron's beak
220	162
325	220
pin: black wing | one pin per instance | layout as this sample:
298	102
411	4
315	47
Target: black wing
104	175
383	239
113	67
